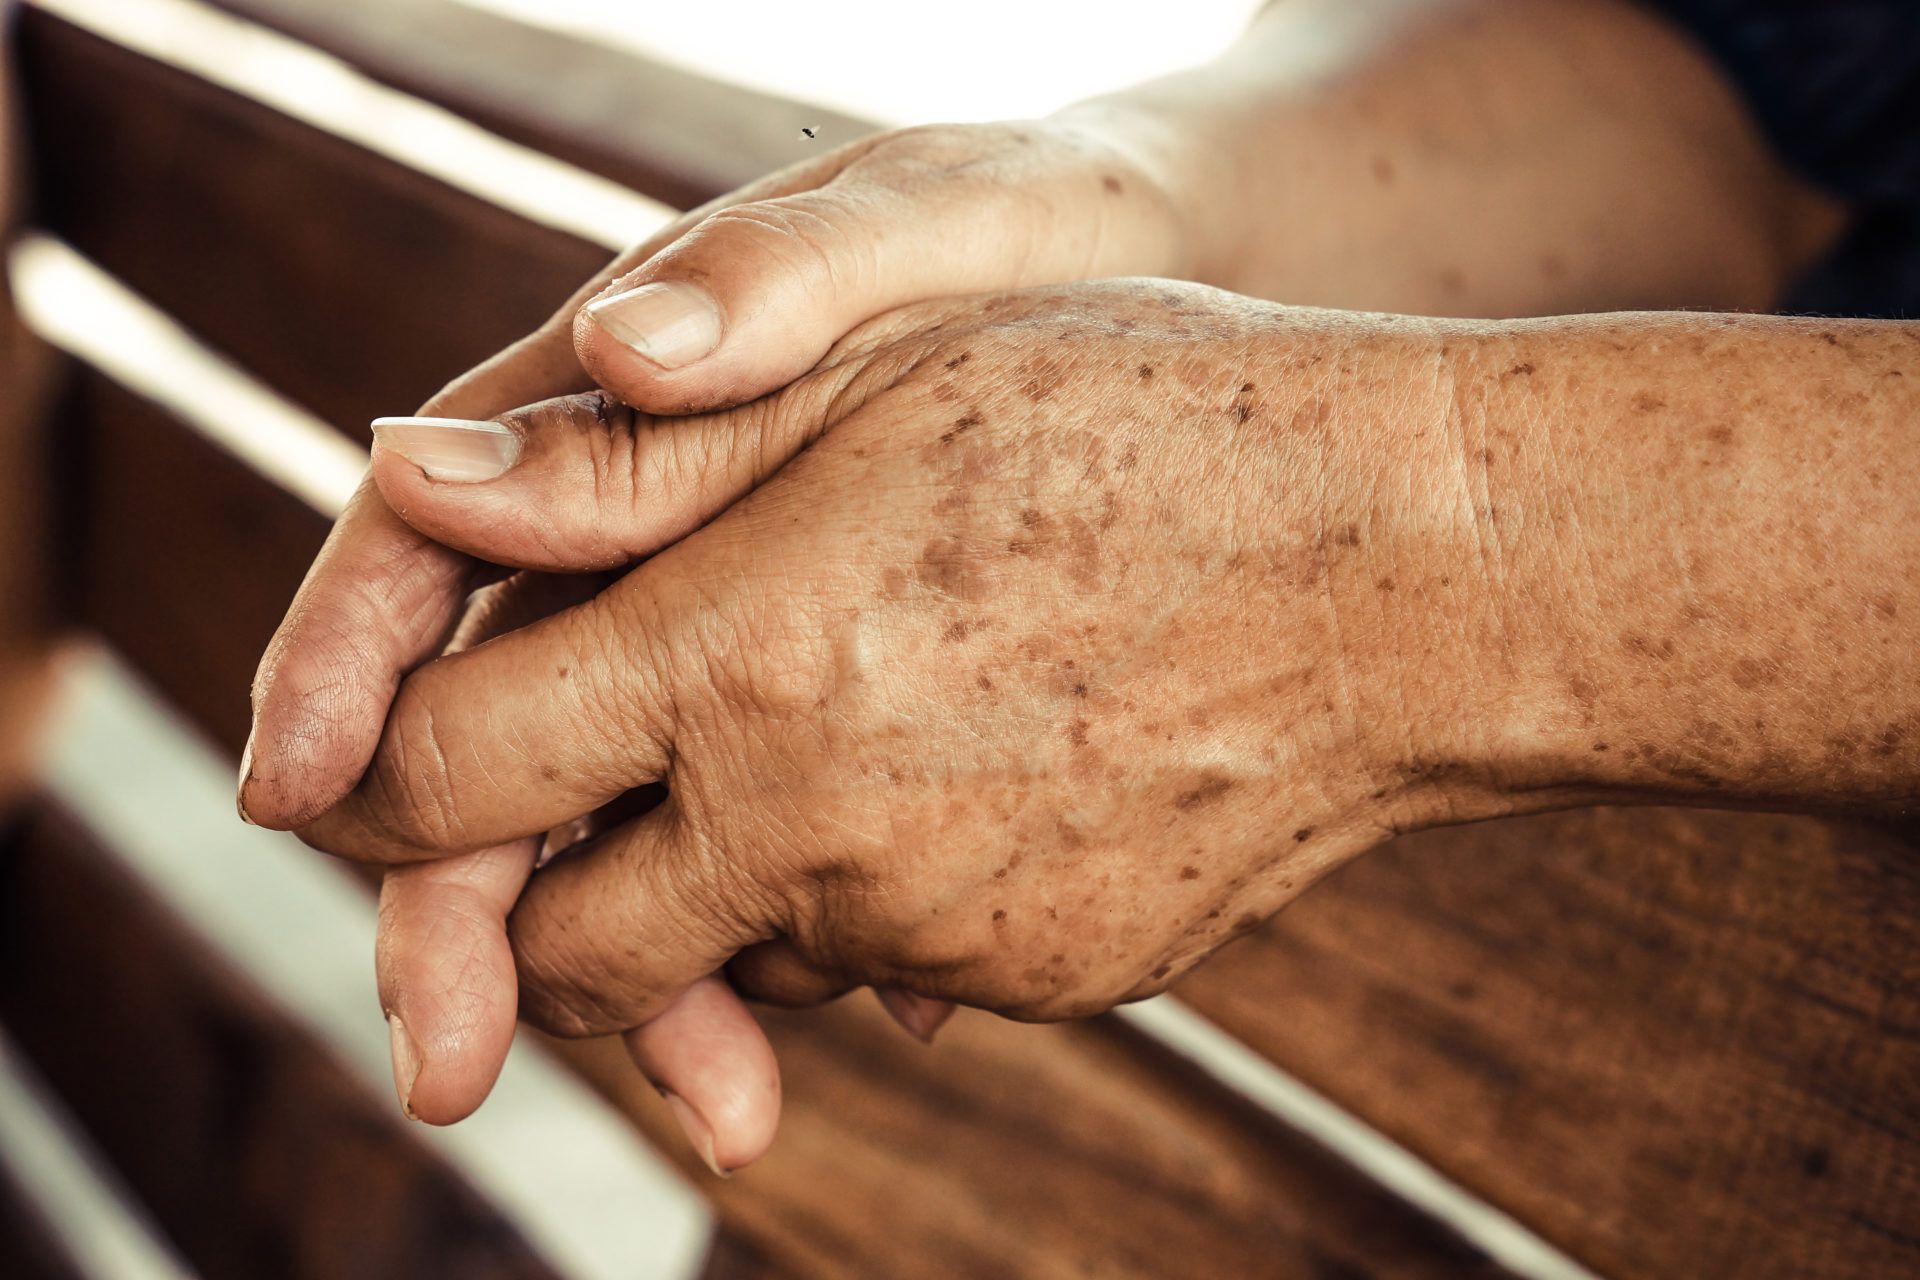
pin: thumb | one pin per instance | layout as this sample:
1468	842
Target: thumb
754	295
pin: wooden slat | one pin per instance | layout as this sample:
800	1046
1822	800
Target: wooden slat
674	134
257	1155
351	283
1675	1042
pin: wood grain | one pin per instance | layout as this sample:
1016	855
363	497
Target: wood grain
1675	1042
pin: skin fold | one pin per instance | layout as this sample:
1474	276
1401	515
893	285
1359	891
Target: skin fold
1466	159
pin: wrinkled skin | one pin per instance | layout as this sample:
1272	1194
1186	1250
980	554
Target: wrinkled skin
1027	684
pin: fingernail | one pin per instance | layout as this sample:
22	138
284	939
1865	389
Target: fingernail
240	788
698	1131
406	1062
920	1016
461	450
669	322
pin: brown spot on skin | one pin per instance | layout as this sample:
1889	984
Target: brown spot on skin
956	632
1520	371
1310	416
1206	793
1647	402
1661	650
1189	873
1246	388
1303	835
1242	411
1077	732
1080	689
947	567
1044	376
1599	746
1146	373
1128	457
959	360
999	917
550	773
1000	873
1722	434
1113	185
961	426
1385	584
1162	972
563	673
984	682
1829	339
893	583
1383	171
1748	673
1886	607
1348	536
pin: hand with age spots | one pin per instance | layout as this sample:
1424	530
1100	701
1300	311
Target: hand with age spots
731	301
1041	661
1047	641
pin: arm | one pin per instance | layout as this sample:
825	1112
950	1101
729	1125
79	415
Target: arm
1705	536
1473	157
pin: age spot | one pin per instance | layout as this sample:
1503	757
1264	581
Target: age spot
961	426
1206	793
1189	873
1113	185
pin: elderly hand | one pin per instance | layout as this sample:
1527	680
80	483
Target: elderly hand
1087	627
767	278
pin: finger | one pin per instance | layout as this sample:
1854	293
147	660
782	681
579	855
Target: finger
754	295
920	1016
606	938
516	736
583	482
776	973
445	970
713	1064
446	977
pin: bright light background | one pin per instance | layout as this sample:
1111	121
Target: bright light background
906	61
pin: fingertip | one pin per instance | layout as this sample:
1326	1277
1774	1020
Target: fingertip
710	1057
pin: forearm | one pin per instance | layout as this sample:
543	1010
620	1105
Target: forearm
1703	544
1472	157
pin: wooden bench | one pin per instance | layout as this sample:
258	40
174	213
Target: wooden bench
1631	1043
